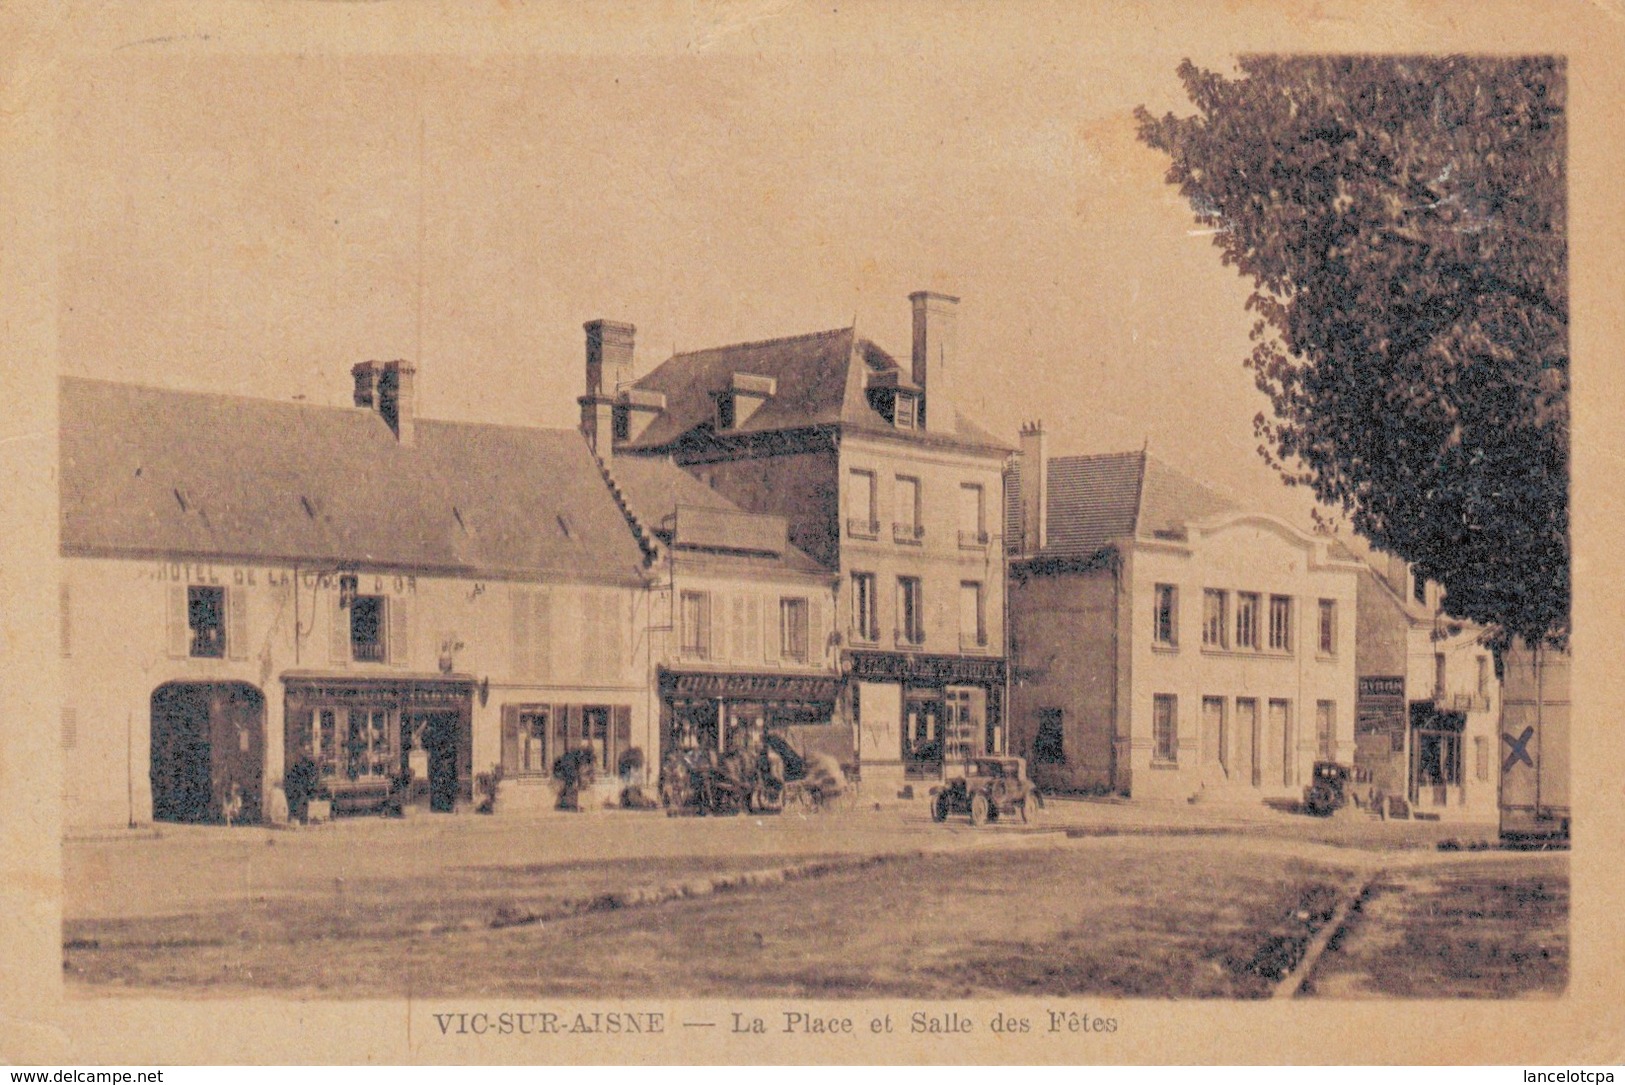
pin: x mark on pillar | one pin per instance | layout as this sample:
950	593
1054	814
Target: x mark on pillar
1520	749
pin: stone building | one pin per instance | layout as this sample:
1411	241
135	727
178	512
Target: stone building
1166	643
1429	699
879	479
245	581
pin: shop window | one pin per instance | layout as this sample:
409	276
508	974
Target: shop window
367	639
1165	616
1280	623
1049	743
910	610
1165	728
865	620
793	629
370	750
606	730
1247	619
206	620
1215	627
1327	642
696	624
525	730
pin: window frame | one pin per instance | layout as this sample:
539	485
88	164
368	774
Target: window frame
1326	637
795	616
1280	633
910	610
1248	604
912	530
867	526
1165	615
975	537
1215	623
699	645
1164	729
978	638
865	608
220	625
378	650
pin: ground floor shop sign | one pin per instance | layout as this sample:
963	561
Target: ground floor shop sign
925	669
1379	708
761	687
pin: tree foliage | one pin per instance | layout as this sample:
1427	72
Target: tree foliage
1403	222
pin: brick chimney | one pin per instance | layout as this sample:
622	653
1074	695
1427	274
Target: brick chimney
1034	488
390	388
609	368
935	356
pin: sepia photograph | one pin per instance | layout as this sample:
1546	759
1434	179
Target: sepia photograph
759	532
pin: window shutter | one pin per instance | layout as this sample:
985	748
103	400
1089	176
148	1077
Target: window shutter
510	739
180	631
752	648
339	640
770	629
622	715
817	639
561	734
400	632
236	623
737	640
519	634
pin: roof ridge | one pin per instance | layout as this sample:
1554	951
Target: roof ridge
828	333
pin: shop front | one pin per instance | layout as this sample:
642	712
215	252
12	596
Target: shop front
702	710
373	743
917	713
1437	778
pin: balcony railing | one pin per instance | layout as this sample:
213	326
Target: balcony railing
908	534
973	540
862	529
367	651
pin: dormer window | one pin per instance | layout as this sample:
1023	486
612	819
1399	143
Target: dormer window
905	413
745	394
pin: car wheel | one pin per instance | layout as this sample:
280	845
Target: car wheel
979	809
939	808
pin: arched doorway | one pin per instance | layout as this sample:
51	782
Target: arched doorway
208	751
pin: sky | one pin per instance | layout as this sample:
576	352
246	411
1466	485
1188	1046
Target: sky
256	221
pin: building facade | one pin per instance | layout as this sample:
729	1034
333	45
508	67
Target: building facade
1167	644
249	583
880	480
1429	698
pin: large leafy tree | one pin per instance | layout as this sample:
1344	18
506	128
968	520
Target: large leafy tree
1402	220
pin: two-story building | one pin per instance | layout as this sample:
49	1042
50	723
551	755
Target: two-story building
1429	699
249	582
1166	643
741	623
879	479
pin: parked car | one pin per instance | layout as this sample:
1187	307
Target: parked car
987	789
1329	789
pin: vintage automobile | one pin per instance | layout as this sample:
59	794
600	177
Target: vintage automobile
987	788
1329	789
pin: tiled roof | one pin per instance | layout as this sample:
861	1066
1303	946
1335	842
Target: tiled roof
820	380
1095	499
653	489
147	471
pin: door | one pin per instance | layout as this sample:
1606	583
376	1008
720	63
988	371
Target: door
440	742
1280	742
1215	741
1246	764
181	786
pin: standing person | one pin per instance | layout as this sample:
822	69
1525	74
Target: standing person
299	783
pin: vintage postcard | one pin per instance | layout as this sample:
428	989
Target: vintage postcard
758	532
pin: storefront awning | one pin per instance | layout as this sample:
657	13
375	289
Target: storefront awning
754	687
